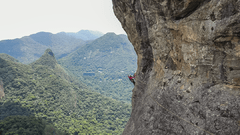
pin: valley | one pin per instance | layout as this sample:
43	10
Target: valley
87	91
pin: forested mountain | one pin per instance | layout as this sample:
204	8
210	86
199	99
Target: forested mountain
8	57
43	89
109	58
104	65
29	48
86	34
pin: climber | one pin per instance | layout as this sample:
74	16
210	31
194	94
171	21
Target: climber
132	78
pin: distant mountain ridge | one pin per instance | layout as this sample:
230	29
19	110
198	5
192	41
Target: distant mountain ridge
85	34
29	48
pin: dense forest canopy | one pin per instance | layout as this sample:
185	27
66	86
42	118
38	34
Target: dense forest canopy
44	89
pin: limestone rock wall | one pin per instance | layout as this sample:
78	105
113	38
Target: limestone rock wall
188	76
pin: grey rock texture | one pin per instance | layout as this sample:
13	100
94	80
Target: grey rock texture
188	76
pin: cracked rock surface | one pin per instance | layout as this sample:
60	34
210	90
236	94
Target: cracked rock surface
188	76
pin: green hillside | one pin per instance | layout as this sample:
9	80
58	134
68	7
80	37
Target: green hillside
29	48
8	57
104	65
43	89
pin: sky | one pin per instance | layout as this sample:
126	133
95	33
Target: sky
20	18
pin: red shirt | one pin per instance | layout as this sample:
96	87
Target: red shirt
130	77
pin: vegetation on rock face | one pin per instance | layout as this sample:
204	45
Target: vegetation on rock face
104	65
45	90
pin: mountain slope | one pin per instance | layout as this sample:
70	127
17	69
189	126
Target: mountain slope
29	48
86	34
104	65
47	59
45	89
7	57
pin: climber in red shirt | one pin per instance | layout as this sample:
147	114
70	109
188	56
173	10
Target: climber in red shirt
132	78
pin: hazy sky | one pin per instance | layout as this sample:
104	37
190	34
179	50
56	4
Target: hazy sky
20	18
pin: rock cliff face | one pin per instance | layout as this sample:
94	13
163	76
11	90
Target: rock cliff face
188	76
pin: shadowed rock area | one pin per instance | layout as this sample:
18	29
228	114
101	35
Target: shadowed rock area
188	76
